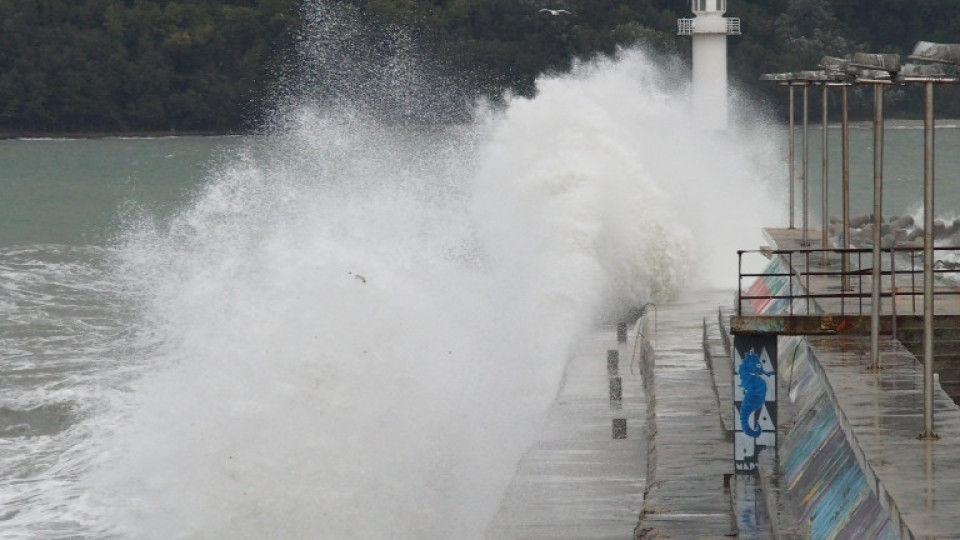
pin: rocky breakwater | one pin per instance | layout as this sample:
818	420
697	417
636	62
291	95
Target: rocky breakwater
898	231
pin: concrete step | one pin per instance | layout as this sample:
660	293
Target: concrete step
723	318
952	388
947	322
940	348
942	356
916	334
721	369
946	362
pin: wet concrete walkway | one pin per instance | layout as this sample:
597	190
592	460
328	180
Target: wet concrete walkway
578	480
881	413
671	474
667	478
916	480
688	493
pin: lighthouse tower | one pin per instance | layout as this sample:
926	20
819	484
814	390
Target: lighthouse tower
709	29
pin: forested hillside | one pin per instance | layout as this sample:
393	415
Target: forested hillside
137	65
112	65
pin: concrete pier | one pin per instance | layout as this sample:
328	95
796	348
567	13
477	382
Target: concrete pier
916	482
638	443
689	480
585	475
670	477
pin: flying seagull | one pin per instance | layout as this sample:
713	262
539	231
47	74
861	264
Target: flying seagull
555	12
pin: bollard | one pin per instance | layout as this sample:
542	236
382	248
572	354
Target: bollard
613	362
619	428
622	332
616	389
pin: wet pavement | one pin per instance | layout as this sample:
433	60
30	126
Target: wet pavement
669	477
689	484
584	477
917	481
658	462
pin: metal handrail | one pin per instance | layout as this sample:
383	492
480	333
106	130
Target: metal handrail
901	277
733	26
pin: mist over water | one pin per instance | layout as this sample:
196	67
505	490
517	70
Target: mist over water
359	325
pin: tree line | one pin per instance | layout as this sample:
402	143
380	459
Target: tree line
206	65
133	65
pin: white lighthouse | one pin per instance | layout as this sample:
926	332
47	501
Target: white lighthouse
709	29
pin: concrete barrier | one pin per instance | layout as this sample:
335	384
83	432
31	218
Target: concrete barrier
818	463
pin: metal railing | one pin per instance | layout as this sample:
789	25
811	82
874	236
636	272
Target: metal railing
687	27
901	276
733	26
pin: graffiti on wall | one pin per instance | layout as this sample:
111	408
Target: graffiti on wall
754	399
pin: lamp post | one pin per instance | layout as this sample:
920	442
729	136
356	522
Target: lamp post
793	157
805	79
826	79
788	80
805	241
879	71
929	75
838	69
824	171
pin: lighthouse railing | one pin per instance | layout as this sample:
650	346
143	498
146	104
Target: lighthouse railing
733	26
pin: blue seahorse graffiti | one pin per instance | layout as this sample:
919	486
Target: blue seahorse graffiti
754	391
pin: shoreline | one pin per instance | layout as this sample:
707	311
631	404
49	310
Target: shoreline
146	134
890	123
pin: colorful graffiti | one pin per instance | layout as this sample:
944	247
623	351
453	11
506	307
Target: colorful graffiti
755	399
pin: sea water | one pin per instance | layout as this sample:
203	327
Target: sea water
346	327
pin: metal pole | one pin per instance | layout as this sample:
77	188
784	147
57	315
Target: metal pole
893	292
928	142
793	152
806	162
877	221
845	168
824	179
739	283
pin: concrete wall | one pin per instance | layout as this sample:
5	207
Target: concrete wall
821	476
